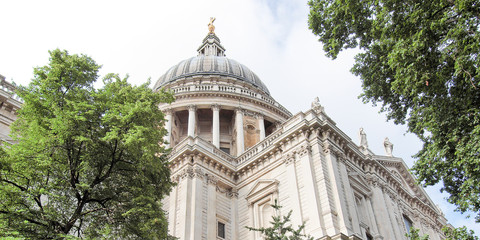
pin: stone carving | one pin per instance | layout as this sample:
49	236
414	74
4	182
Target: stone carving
290	158
192	108
187	172
388	147
211	27
363	139
239	110
316	106
215	107
198	173
233	193
212	180
168	111
304	150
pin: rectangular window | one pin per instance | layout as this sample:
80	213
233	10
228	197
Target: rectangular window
221	229
226	150
408	224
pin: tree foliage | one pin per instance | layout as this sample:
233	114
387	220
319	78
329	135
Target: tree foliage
450	234
88	162
420	61
280	228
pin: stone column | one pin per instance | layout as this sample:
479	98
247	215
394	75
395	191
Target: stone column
261	125
168	126
216	125
191	120
211	207
239	127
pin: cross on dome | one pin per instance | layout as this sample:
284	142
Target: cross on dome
211	43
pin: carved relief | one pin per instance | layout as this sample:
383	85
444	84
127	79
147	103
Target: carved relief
192	107
215	107
290	158
212	180
233	193
168	111
305	149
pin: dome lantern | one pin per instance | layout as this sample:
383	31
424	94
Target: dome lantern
211	43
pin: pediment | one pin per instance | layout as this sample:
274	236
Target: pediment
400	171
262	188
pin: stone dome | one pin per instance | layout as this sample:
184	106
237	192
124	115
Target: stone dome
211	60
211	65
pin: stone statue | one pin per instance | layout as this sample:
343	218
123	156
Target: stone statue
211	28
363	139
388	147
316	106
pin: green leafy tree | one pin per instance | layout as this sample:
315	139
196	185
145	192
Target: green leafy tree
89	162
450	234
280	228
420	61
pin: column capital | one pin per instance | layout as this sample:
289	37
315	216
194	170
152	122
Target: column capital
168	111
192	107
239	110
258	115
233	193
289	159
212	180
216	107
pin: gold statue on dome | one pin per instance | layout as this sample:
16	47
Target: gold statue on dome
211	28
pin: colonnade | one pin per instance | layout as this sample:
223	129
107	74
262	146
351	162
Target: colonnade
239	113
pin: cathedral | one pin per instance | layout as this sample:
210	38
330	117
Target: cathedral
236	151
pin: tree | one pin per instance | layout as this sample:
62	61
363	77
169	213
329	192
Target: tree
450	234
420	61
281	229
89	162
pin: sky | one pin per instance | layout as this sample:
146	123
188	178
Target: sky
145	38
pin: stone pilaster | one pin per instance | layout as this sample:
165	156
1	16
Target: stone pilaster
172	211
292	186
234	213
391	214
313	210
196	205
349	197
184	204
371	218
211	207
338	191
380	211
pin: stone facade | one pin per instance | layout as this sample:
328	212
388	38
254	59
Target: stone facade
235	150
9	104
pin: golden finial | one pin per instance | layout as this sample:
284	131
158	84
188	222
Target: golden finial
211	28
